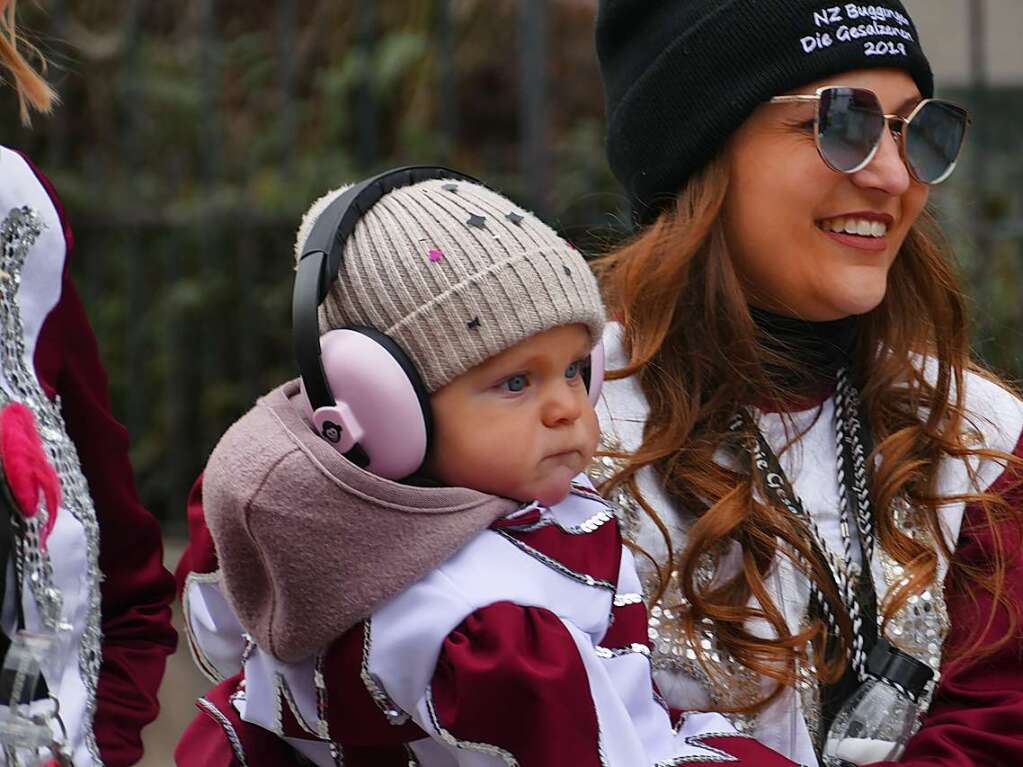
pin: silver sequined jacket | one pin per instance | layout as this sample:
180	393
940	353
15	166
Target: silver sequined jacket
695	673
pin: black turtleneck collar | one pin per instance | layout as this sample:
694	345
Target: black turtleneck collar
817	349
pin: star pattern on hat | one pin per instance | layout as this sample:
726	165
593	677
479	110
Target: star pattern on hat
435	255
567	271
474	323
453	188
515	218
477	221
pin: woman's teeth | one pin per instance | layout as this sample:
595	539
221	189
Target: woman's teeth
860	226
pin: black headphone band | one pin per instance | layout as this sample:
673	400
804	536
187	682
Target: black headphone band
320	262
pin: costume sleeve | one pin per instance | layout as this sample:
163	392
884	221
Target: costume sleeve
520	680
219	737
136	589
200	556
511	677
508	680
215	637
977	714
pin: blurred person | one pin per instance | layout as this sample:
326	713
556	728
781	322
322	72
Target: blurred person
825	479
425	574
85	597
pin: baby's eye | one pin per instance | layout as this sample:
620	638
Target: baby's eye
572	371
516	383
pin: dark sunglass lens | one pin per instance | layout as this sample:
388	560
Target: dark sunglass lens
933	139
850	124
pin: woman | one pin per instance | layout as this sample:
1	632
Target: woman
810	458
85	572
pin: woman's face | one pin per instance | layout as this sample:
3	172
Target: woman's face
784	203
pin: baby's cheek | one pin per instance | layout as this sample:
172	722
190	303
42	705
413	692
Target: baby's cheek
592	425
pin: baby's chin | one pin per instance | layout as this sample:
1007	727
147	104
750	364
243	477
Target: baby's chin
552	497
555	488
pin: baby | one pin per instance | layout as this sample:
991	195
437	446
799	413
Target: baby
480	611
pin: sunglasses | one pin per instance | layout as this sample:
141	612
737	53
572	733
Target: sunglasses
850	122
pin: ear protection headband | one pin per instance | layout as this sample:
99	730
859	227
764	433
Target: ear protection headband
363	393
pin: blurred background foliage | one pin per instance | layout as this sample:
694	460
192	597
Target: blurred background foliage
193	134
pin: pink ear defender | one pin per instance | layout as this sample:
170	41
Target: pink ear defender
362	392
377	413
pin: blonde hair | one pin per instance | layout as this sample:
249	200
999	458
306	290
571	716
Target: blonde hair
33	90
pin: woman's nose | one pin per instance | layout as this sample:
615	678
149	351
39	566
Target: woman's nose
887	171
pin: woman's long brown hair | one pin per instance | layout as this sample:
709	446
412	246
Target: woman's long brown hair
695	351
33	90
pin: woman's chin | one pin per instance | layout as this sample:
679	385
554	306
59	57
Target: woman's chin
849	300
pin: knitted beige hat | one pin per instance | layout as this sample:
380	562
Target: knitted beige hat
455	274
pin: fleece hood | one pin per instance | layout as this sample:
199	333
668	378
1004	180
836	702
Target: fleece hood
309	544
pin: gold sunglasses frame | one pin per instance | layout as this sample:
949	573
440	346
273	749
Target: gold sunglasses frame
890	122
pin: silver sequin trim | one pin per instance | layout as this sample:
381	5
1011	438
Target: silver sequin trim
554	564
238	697
466	745
627	509
633	649
587	526
320	682
33	564
921	626
232	735
17	233
390	709
727	682
808	689
590	525
696	741
250	647
624	600
284	691
322	728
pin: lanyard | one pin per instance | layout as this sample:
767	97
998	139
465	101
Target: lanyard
854	585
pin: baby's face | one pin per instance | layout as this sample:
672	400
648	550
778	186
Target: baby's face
520	425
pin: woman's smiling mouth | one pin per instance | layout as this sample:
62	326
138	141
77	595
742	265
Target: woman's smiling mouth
863	231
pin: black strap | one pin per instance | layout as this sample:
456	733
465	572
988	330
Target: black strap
774	467
833	696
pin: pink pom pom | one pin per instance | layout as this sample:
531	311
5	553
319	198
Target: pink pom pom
26	466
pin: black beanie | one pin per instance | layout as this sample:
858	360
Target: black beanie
681	75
